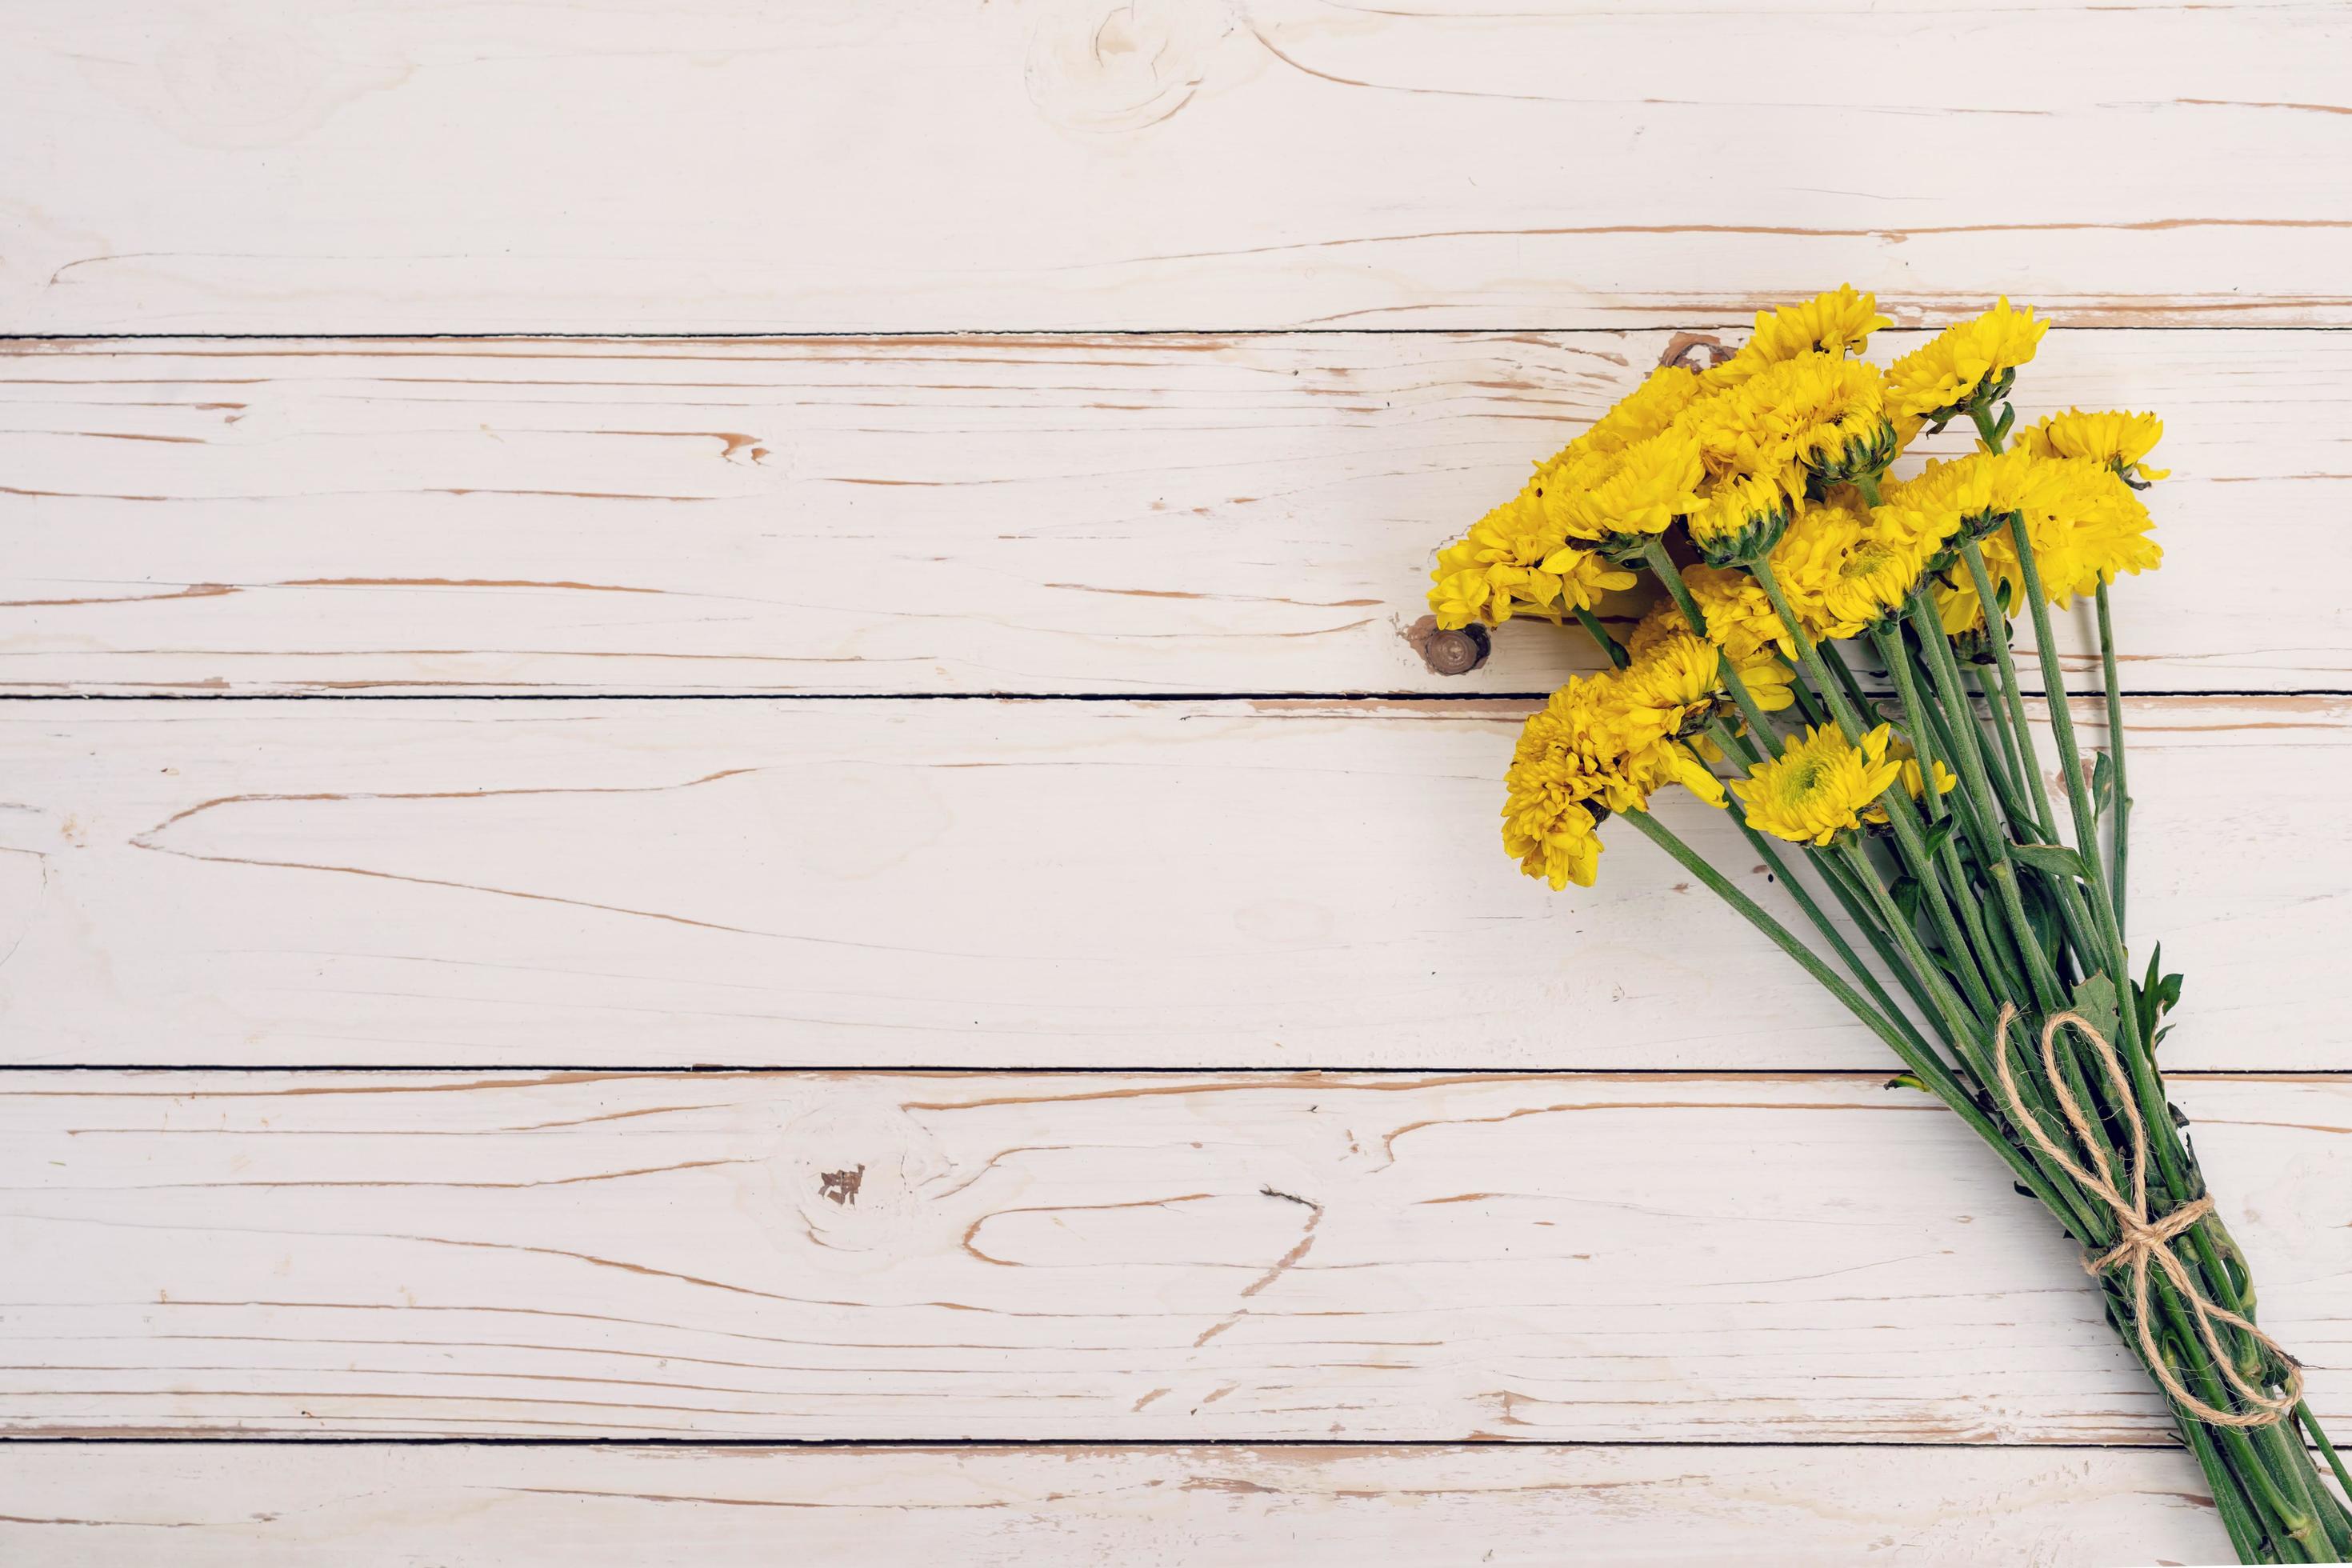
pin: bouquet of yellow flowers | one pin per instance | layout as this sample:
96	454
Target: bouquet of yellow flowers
1759	493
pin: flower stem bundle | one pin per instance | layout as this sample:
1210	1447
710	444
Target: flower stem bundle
1831	659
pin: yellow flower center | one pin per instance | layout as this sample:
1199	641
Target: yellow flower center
1867	558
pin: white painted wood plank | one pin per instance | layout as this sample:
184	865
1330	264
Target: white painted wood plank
977	514
1648	1257
1090	164
993	884
1060	1507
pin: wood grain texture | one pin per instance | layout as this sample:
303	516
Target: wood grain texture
1220	514
1176	163
1059	1507
993	884
1646	1257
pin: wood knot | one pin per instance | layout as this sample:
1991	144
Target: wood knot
841	1186
1688	349
1456	653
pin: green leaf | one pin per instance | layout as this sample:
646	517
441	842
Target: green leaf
2157	995
2052	859
1906	893
2095	1000
2102	785
1906	1080
2043	918
1941	834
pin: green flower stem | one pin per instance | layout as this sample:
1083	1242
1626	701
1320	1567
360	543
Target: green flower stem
1896	800
1735	746
1960	1026
2079	1213
1655	555
2273	1471
1985	789
1857	908
1837	666
1998	866
2267	1489
1745	755
2282	1460
1928	1066
1618	657
2106	911
2311	1425
2016	791
2292	1462
2078	791
1986	836
2289	1518
1888	645
2164	1137
1947	745
1808	704
1992	957
2228	1499
2286	1457
2080	923
2047	995
2042	1101
2233	1493
1888	1008
2045	823
1917	718
2113	691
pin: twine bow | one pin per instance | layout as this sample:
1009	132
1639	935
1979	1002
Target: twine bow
2144	1241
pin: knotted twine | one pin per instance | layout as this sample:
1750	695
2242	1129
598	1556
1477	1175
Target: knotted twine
2146	1242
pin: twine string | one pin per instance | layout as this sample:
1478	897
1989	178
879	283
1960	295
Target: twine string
2144	1242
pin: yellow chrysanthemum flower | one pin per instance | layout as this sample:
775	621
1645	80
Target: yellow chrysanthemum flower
1740	618
1606	743
1964	362
1954	589
1838	322
1741	621
1963	499
1666	693
1741	519
2082	520
1845	568
1549	835
1662	620
1584	576
1768	681
1767	677
1645	489
2120	439
1561	780
1818	787
1514	560
1646	411
1817	415
2086	526
1552	791
1914	782
1462	598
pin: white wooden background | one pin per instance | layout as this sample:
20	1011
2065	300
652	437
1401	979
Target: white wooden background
720	836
